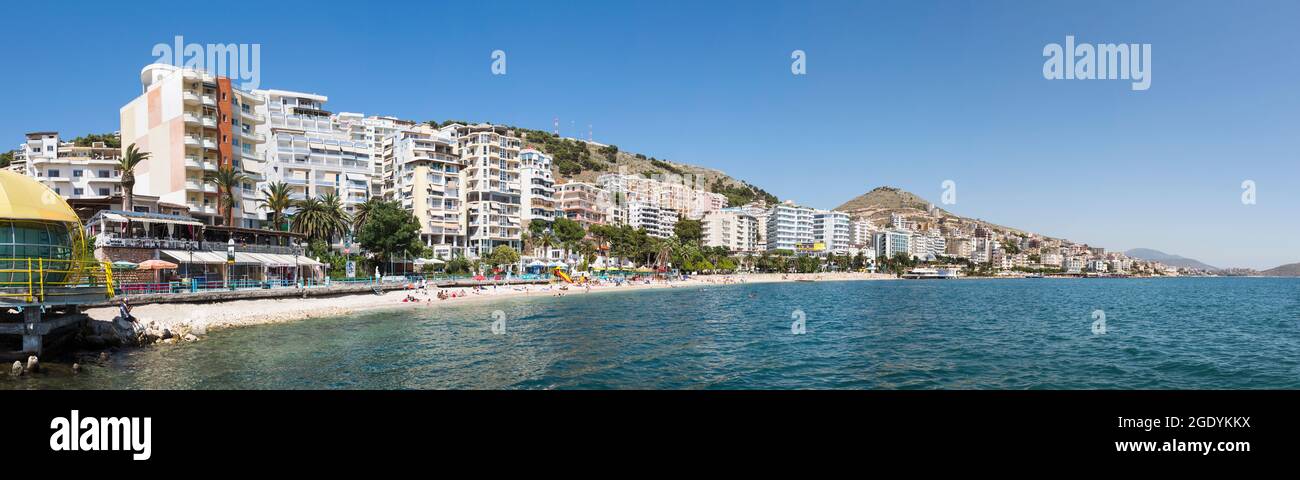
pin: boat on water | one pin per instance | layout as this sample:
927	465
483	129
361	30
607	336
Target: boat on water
923	273
1034	275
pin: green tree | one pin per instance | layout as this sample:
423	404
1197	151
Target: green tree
362	211
503	255
277	200
127	163
227	180
569	233
689	231
390	230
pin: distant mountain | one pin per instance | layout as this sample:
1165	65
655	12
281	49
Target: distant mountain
1168	259
1288	270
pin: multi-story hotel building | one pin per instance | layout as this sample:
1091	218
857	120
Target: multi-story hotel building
538	193
71	171
493	194
423	172
372	130
862	233
789	226
584	203
832	229
731	228
311	152
192	123
893	242
657	222
671	192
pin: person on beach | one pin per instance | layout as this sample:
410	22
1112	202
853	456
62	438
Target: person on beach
124	310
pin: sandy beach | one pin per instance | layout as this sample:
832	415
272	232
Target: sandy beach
201	317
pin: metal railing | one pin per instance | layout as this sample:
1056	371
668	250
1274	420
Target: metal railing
36	279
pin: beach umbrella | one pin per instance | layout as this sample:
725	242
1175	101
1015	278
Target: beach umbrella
124	265
157	265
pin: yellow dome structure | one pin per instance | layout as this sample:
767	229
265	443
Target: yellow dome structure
40	236
24	198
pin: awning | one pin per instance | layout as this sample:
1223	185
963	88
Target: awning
242	258
198	257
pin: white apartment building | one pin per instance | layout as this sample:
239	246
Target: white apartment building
928	245
760	212
71	171
372	130
669	191
192	123
584	203
731	228
424	175
789	226
832	229
706	202
893	242
657	222
862	233
493	194
311	152
537	197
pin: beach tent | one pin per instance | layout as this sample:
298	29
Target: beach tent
535	266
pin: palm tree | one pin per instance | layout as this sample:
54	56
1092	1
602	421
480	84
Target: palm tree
320	218
338	220
126	164
227	179
278	199
547	240
362	212
309	219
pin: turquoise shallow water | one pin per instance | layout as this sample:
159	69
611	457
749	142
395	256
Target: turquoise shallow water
1193	333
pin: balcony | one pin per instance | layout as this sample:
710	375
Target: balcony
209	121
209	144
163	243
209	100
190	97
295	181
190	119
193	162
252	137
193	186
209	188
250	117
209	166
191	141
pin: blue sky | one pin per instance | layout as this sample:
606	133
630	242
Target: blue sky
907	94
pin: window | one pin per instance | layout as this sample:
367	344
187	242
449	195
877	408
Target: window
78	191
103	192
104	173
141	209
51	173
77	173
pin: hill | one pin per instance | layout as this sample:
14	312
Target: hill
879	204
579	161
1168	259
1288	270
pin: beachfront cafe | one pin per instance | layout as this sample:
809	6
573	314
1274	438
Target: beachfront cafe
205	255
